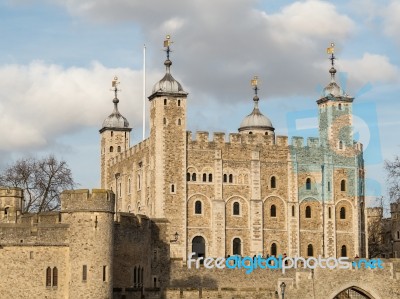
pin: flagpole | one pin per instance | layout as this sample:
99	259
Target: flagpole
144	91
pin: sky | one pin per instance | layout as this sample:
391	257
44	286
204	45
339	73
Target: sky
57	60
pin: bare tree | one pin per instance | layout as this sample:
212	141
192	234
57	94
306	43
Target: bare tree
393	170
377	226
42	180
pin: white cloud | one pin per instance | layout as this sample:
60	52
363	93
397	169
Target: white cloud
40	102
371	68
391	20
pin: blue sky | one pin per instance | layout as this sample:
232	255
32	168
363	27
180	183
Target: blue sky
57	59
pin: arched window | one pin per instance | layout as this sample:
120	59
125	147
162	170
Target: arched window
308	184
138	276
204	177
6	211
230	178
165	102
48	277
236	208
118	149
344	251
310	250
343	185
340	106
197	207
210	177
340	145
179	122
55	277
250	132
188	177
273	182
236	246
225	178
342	213
273	249
194	177
329	213
111	149
199	247
308	212
134	277
273	211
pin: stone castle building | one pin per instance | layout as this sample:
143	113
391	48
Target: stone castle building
247	193
175	193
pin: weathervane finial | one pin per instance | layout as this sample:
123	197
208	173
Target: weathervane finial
331	50
114	84
254	83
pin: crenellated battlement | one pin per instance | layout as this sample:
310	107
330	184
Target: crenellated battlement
375	212
202	139
130	220
82	200
130	152
11	192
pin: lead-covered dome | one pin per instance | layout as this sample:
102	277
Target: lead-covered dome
115	119
168	84
256	121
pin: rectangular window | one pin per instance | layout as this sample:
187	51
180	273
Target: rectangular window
104	273
31	255
84	273
329	186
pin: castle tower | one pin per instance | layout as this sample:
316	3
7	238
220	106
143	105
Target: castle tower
10	204
115	135
168	147
256	122
335	113
91	237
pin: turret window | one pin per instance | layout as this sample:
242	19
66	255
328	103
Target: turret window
112	133
273	182
342	213
308	184
236	209
165	102
343	185
273	211
340	106
179	102
197	207
308	212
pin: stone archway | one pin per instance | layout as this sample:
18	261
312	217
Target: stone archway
353	293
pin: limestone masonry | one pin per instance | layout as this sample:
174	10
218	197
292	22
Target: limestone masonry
177	192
